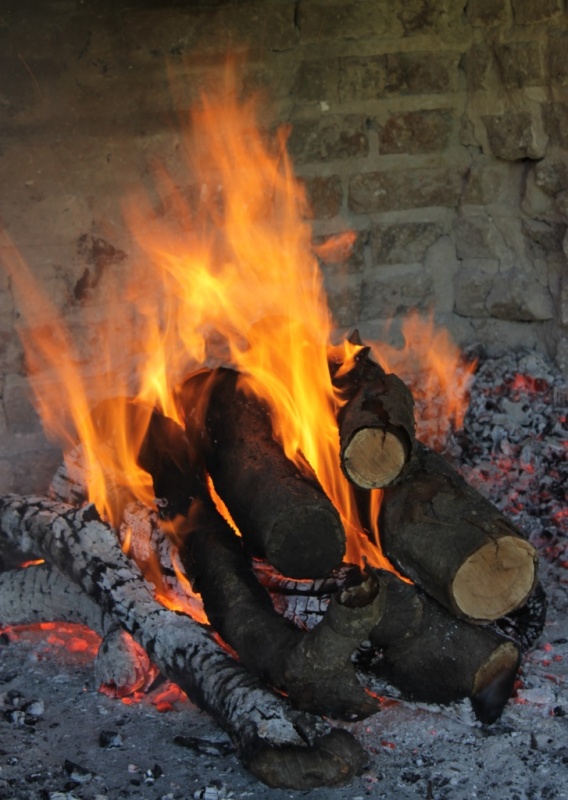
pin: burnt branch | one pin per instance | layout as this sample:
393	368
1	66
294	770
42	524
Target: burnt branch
280	745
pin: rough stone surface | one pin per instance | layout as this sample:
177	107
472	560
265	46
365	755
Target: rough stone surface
388	291
516	296
422	73
329	139
325	196
403	242
472	285
385	191
488	13
521	64
415	132
528	11
515	135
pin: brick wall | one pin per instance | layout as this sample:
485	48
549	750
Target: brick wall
436	129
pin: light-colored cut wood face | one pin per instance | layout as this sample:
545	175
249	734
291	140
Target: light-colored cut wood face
495	579
374	458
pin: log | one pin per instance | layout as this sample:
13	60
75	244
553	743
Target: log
439	658
314	668
419	646
375	419
452	542
280	510
281	746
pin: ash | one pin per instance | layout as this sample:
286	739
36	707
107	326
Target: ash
60	739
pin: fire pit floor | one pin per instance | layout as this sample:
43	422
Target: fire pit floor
60	739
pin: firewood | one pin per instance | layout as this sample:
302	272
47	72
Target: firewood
280	745
452	542
375	419
314	668
439	658
280	510
418	646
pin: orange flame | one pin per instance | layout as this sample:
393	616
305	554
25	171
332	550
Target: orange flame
235	281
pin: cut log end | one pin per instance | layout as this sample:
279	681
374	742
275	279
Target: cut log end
494	681
374	458
332	760
495	579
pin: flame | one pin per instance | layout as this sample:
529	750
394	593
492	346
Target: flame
436	372
234	280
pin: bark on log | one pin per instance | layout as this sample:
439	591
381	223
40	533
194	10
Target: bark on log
453	543
280	745
439	658
425	651
281	512
314	668
375	419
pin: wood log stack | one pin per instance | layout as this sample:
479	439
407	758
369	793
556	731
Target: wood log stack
441	636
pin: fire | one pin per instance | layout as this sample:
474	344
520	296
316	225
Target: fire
234	281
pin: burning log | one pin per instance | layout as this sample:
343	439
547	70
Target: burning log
417	645
280	510
376	421
314	668
439	658
280	745
454	543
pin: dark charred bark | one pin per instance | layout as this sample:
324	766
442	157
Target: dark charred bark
375	419
280	510
280	745
314	668
433	657
454	543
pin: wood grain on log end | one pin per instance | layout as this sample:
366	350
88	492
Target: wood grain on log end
496	578
374	458
494	682
332	760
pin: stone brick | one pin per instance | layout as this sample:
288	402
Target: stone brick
422	73
329	138
403	242
520	64
317	80
480	67
527	12
490	181
325	196
472	285
558	60
344	299
388	292
563	301
487	13
416	132
343	19
517	296
551	175
514	135
476	237
543	238
555	117
362	78
410	188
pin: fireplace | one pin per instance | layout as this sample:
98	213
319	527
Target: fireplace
459	211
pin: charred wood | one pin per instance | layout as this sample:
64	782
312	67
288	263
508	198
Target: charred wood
280	510
280	745
314	668
453	543
433	657
375	419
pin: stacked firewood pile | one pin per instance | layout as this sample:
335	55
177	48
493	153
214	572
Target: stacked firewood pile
269	669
